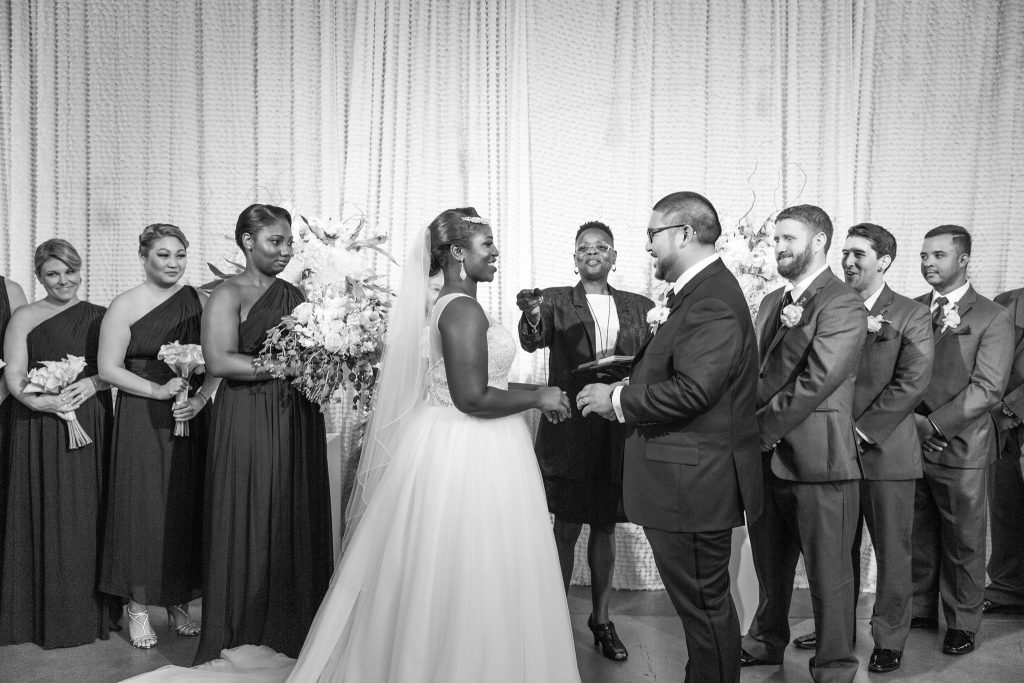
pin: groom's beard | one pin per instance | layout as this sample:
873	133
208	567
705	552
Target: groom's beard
796	267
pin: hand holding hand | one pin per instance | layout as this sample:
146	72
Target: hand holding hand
186	410
596	399
76	393
529	301
553	402
931	441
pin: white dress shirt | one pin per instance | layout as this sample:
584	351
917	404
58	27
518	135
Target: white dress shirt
677	286
953	297
796	289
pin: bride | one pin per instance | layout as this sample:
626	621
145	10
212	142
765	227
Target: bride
449	570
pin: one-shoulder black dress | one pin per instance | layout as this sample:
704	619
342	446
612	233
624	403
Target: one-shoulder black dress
153	543
55	510
268	526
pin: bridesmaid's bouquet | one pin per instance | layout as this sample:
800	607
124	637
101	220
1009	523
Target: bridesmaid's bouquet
51	378
185	360
336	336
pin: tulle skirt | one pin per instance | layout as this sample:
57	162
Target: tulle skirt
452	575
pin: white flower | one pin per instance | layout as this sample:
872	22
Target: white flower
333	342
303	313
657	317
951	320
791	315
875	323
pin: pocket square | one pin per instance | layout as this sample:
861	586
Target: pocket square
966	329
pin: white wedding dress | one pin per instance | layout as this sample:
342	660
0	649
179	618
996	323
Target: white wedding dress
451	575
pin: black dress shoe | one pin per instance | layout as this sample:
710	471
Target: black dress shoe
958	642
883	661
605	636
924	622
807	642
747	659
992	607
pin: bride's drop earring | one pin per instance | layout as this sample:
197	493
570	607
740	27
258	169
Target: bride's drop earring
462	270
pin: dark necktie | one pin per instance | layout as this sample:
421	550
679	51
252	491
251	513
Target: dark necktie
938	315
776	322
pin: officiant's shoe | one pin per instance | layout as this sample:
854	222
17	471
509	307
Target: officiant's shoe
958	642
747	659
883	661
605	636
924	622
808	641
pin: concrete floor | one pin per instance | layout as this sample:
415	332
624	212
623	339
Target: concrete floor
644	620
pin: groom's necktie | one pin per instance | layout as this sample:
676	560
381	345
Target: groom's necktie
938	314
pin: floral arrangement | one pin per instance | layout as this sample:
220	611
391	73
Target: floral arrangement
875	323
657	316
51	378
951	320
185	360
792	314
334	339
749	252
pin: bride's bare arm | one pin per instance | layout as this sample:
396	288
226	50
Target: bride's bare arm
463	327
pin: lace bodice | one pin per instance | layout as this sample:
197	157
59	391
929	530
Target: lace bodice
501	352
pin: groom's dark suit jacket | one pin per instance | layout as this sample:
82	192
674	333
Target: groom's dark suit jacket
692	461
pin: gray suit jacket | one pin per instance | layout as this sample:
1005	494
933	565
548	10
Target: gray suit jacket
806	382
972	366
1010	441
894	372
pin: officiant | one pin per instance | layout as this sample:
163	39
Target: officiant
581	458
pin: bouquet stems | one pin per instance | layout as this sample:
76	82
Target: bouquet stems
76	434
181	426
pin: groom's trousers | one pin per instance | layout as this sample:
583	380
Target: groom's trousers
694	567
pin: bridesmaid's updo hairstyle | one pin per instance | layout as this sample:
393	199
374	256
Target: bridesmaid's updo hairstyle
255	217
450	230
58	249
157	231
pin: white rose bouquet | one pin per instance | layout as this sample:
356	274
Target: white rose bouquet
51	378
185	360
336	336
749	252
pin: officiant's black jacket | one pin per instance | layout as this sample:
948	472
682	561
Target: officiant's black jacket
692	461
567	330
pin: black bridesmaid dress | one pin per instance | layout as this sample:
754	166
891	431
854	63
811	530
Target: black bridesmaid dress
5	411
268	541
48	584
152	549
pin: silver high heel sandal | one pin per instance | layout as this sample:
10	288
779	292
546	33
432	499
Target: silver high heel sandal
146	640
187	627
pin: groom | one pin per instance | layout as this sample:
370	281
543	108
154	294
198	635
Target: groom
691	463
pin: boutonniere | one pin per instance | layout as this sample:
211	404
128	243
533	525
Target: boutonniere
657	316
951	320
792	313
875	323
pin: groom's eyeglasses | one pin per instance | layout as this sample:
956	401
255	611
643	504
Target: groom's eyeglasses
651	232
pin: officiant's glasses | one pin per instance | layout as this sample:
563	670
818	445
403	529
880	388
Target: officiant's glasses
600	247
651	232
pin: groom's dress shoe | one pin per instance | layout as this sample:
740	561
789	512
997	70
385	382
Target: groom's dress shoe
883	661
807	642
747	659
958	642
993	607
924	622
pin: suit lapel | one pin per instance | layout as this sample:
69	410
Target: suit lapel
582	310
962	306
805	298
883	302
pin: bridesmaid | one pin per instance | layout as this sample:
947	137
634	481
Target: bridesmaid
268	527
48	592
152	552
11	297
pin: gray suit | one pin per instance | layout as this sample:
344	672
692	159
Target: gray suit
894	372
805	404
1006	483
972	365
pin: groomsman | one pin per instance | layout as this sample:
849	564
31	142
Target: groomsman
1005	591
691	465
973	354
810	333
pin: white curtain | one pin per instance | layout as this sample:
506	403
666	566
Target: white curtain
541	113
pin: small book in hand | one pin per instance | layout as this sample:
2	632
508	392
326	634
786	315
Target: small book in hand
607	361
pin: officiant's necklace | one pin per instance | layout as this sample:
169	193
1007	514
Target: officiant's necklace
603	351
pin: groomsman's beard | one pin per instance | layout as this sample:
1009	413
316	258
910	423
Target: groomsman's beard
798	266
